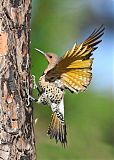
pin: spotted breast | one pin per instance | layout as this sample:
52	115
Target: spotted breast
51	92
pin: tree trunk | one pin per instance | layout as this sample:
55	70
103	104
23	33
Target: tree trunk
17	134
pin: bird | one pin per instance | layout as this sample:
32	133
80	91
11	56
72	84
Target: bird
72	71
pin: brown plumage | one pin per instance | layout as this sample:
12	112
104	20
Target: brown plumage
72	71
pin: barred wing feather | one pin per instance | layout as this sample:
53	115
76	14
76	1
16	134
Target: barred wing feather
74	68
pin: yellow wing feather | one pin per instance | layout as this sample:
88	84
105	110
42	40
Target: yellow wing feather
77	80
74	68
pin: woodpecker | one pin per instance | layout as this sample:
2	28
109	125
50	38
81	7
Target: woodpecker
73	72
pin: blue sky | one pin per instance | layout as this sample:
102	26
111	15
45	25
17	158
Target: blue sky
103	66
104	55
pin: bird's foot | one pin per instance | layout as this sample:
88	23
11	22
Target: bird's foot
34	82
35	85
31	99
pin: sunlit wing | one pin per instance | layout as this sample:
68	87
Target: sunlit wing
74	68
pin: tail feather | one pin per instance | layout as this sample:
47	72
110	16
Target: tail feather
57	128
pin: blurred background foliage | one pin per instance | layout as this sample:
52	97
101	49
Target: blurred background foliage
55	26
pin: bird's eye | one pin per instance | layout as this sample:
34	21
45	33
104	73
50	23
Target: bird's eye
50	56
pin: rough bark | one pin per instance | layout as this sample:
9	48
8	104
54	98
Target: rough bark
17	134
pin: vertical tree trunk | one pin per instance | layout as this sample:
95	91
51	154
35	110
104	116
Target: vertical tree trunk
17	134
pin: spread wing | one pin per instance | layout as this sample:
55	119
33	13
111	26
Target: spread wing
74	68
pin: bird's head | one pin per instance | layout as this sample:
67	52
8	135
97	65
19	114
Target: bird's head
51	57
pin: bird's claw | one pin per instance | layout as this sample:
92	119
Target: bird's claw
31	99
34	82
35	85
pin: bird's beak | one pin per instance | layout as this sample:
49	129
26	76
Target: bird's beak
41	52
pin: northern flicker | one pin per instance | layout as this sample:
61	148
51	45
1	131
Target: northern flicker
73	72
